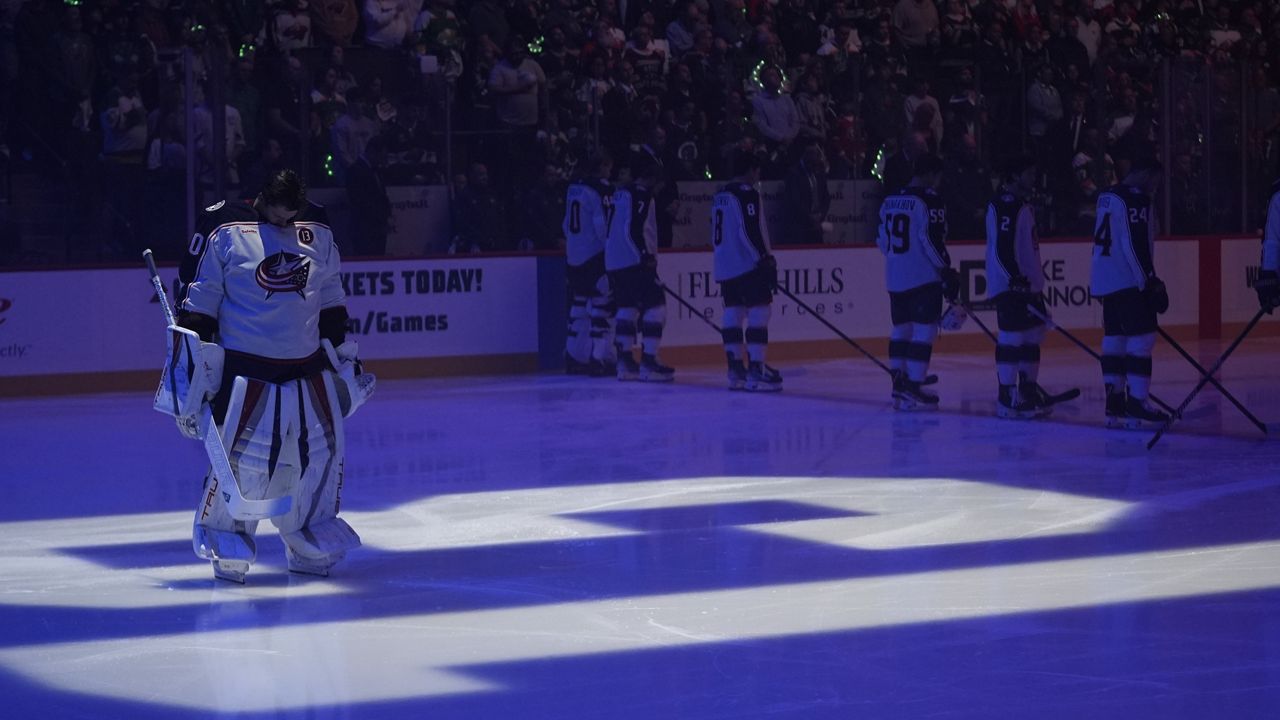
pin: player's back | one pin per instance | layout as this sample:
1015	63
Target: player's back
738	234
1122	240
632	231
912	236
588	206
1012	247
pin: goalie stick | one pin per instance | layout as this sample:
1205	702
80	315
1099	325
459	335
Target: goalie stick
238	505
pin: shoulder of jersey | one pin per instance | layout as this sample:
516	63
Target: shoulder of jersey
226	213
313	213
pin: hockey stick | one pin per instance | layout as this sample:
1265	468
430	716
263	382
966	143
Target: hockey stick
978	320
834	329
238	506
1050	323
1212	381
688	306
1207	377
1064	396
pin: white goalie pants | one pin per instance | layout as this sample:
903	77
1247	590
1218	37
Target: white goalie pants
283	439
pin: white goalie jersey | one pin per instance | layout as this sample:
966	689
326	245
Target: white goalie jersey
265	285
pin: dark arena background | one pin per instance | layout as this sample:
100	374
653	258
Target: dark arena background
539	542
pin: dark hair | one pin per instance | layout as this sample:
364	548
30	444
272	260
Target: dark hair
927	164
286	189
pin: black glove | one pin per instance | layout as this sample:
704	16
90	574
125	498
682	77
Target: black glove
649	262
769	267
1019	284
1157	295
950	283
1268	287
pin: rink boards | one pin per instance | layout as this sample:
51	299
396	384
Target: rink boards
101	329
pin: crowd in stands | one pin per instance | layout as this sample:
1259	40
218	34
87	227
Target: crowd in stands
503	100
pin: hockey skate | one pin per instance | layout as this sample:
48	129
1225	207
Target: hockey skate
1117	403
899	379
737	375
1139	415
573	367
762	378
653	371
913	398
307	566
628	369
1014	405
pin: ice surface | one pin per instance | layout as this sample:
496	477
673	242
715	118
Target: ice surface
554	547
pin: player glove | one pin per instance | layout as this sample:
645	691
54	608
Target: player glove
1019	284
649	262
1157	295
769	266
950	283
1268	287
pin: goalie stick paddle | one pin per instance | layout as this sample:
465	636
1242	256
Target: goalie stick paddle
240	507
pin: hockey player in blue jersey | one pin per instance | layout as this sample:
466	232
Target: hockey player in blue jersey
1124	278
1014	281
748	275
630	257
588	210
918	275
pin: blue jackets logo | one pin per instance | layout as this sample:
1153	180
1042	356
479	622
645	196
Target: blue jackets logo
283	272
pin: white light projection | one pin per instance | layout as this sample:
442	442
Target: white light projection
423	655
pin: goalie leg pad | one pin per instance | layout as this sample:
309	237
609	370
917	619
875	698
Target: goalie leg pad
315	537
225	545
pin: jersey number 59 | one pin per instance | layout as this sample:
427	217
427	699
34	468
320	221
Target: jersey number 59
897	227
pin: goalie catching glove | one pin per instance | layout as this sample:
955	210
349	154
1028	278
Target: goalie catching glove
355	386
192	376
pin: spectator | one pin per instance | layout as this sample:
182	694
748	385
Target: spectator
916	22
966	186
812	106
243	95
1044	111
900	166
775	113
387	23
351	133
334	21
479	218
931	119
284	111
680	31
542	211
370	206
489	24
806	199
518	85
648	60
291	26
